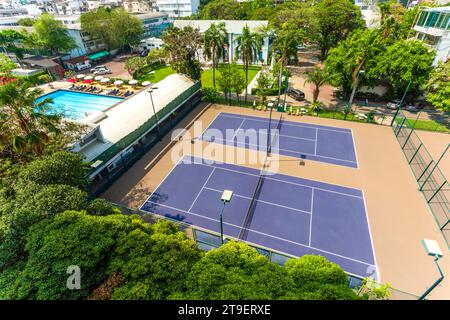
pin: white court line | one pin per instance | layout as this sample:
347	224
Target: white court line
310	219
288	136
289	182
268	235
354	148
237	130
291	123
371	238
157	187
204	184
315	143
257	148
262	201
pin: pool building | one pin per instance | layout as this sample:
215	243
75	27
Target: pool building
119	131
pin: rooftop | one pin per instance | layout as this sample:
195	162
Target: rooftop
438	9
150	15
130	114
232	26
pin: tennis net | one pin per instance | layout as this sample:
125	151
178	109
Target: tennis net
251	209
276	135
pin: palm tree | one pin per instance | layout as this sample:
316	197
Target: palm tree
215	39
285	44
249	44
318	77
25	125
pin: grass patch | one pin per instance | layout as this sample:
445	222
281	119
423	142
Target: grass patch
426	125
207	80
161	72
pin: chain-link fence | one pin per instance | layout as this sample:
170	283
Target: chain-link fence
432	182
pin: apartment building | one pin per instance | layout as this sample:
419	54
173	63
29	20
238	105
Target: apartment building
432	26
178	8
155	23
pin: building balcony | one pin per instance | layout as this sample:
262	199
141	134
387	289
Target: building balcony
437	32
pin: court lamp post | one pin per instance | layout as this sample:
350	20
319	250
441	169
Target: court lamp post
270	105
432	248
226	197
153	106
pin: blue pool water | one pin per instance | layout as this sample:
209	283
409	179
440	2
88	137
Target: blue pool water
77	105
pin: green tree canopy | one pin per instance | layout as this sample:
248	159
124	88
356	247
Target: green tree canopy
358	52
404	61
182	47
71	238
236	271
155	264
335	20
215	39
6	64
58	168
115	27
438	87
52	35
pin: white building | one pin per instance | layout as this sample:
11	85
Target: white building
234	29
433	28
178	8
155	23
139	6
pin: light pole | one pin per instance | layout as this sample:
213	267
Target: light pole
153	106
355	85
226	197
432	249
268	149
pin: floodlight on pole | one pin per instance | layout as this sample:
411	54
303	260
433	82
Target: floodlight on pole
432	249
226	198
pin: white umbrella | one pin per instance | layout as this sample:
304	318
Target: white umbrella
88	78
132	82
98	78
146	83
81	76
118	82
104	80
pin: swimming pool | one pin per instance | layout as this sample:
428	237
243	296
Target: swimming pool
77	105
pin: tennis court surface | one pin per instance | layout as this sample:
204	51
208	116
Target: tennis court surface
289	214
299	140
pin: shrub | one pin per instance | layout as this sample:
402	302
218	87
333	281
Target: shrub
210	94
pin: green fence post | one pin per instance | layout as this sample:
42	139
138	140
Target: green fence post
435	166
400	127
415	153
407	139
439	189
426	168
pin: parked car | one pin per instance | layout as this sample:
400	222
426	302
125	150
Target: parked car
296	94
103	71
415	107
98	67
393	105
144	53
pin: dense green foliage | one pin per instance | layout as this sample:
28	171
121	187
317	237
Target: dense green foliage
438	87
182	47
115	27
52	35
47	225
28	128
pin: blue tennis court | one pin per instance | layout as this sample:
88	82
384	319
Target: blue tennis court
300	140
291	215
